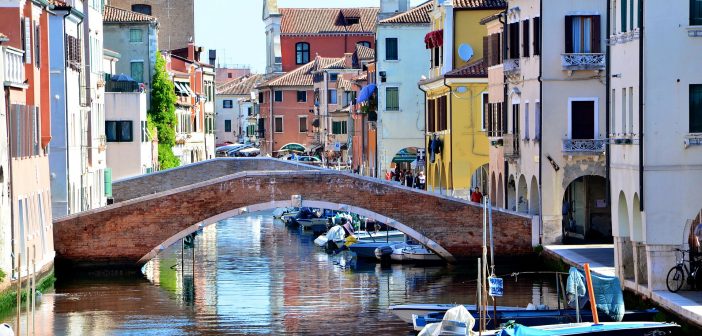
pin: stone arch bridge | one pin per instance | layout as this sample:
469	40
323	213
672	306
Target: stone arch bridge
151	212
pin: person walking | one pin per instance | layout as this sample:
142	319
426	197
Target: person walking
476	196
409	179
422	180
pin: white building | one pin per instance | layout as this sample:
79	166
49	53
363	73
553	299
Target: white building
77	150
655	126
129	143
6	227
555	135
400	101
235	114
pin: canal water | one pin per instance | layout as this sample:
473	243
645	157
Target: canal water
251	275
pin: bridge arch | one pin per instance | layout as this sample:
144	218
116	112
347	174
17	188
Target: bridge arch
432	245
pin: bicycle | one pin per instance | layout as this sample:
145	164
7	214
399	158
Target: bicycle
678	273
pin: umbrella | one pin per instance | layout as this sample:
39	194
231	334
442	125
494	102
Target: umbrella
122	78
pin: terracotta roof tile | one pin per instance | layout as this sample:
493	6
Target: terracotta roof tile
475	69
345	84
418	14
364	53
326	20
480	4
303	76
118	15
239	86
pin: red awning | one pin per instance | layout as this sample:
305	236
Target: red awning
434	39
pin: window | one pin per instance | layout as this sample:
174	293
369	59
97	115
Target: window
696	108
141	8
137	68
230	75
333	77
136	35
302	53
486	104
526	121
227	125
118	131
365	44
493	49
526	44
431	115
331	98
392	99
631	110
623	15
227	103
513	35
515	120
303	124
391	49
695	13
339	127
37	44
27	37
613	107
537	36
582	120
260	98
537	121
301	96
442	113
623	125
436	56
277	96
278	124
582	34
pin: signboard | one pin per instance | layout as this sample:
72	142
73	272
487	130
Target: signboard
337	146
421	155
496	286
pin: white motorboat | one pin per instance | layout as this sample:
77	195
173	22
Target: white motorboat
419	253
337	234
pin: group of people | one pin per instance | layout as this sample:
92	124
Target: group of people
407	178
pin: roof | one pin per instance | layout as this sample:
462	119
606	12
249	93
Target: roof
239	86
491	18
480	4
344	84
303	76
118	15
418	14
364	53
327	20
475	69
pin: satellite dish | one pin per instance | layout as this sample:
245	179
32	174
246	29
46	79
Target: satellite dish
465	52
461	89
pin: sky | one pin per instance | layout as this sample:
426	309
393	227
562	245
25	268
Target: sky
235	28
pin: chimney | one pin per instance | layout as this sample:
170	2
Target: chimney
348	60
213	57
191	51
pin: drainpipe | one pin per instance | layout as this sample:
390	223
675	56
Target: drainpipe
65	81
608	101
541	121
641	108
450	122
426	152
504	108
9	179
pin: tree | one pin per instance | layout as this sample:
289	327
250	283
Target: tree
162	113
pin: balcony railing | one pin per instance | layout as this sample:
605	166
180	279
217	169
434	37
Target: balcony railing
583	61
511	145
584	146
14	65
511	66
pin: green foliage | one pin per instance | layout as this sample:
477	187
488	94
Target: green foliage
8	299
2	275
162	113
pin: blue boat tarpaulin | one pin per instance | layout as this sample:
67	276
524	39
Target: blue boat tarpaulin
366	93
608	292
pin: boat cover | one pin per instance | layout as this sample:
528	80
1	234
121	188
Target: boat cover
608	292
456	314
583	328
336	233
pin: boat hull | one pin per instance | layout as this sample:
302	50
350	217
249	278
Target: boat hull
602	329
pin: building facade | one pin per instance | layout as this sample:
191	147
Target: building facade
236	117
400	102
135	37
129	140
176	19
456	89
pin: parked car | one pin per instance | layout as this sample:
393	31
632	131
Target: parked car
311	160
223	151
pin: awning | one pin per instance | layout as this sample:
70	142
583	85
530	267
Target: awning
293	147
405	155
183	89
366	93
434	39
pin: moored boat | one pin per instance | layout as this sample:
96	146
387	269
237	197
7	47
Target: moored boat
599	329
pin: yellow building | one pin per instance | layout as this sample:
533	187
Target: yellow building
457	146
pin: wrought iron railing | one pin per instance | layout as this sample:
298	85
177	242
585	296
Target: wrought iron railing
583	61
584	146
511	66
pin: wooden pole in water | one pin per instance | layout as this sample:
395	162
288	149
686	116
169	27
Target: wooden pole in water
34	285
480	298
19	292
591	293
29	289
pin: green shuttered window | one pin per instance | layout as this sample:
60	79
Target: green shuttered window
696	108
392	99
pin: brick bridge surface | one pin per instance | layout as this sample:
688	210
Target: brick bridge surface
152	211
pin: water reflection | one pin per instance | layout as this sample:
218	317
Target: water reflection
251	275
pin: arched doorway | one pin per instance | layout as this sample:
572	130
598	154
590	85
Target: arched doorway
493	193
626	255
522	195
405	164
500	199
586	212
480	179
534	197
511	194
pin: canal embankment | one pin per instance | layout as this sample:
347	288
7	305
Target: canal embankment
684	305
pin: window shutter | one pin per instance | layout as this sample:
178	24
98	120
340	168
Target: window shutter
595	36
486	51
569	34
526	52
537	36
27	41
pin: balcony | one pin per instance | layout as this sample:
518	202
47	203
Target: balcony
596	146
573	62
511	66
511	145
14	66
